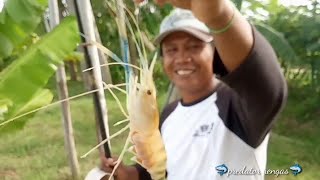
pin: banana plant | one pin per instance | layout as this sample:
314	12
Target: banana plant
276	38
278	42
22	82
18	20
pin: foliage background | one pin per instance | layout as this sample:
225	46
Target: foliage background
37	151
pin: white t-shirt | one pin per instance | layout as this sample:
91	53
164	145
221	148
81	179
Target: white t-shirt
197	141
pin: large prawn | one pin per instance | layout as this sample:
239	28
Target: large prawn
143	115
143	118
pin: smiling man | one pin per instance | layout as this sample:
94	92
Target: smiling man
218	122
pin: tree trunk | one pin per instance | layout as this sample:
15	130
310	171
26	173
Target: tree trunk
73	71
63	94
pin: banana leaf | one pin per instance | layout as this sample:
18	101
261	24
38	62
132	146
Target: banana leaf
22	82
238	3
18	20
278	42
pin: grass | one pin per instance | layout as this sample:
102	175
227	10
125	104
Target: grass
295	136
37	152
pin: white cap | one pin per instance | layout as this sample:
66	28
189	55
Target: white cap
183	20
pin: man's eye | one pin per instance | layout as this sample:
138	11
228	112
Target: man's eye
194	46
170	50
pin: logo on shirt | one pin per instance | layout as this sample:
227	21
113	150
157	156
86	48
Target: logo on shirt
222	169
204	130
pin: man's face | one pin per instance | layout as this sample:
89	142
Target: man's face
187	61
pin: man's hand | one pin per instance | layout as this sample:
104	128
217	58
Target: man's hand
205	10
123	172
107	165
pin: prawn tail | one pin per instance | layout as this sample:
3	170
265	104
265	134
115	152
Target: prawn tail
158	169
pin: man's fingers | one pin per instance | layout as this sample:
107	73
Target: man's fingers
107	164
106	169
161	2
106	161
106	177
184	4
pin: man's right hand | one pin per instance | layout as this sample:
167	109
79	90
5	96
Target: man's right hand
122	172
107	165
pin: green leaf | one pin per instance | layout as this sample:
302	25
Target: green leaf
17	20
278	42
238	3
18	10
39	3
4	106
2	17
23	80
74	57
6	46
315	46
41	98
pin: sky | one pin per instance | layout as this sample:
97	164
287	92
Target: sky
1	5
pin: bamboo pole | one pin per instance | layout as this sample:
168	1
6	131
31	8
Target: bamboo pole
106	74
65	106
86	25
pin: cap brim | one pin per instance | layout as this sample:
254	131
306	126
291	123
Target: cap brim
204	36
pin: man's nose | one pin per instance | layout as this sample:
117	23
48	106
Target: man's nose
183	56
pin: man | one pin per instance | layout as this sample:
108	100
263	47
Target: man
218	124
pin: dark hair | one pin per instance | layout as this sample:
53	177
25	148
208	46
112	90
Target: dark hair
160	50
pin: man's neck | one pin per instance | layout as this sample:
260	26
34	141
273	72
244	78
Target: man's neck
189	97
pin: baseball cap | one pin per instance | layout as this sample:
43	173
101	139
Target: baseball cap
183	20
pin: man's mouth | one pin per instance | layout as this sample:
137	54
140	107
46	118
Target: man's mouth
184	72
